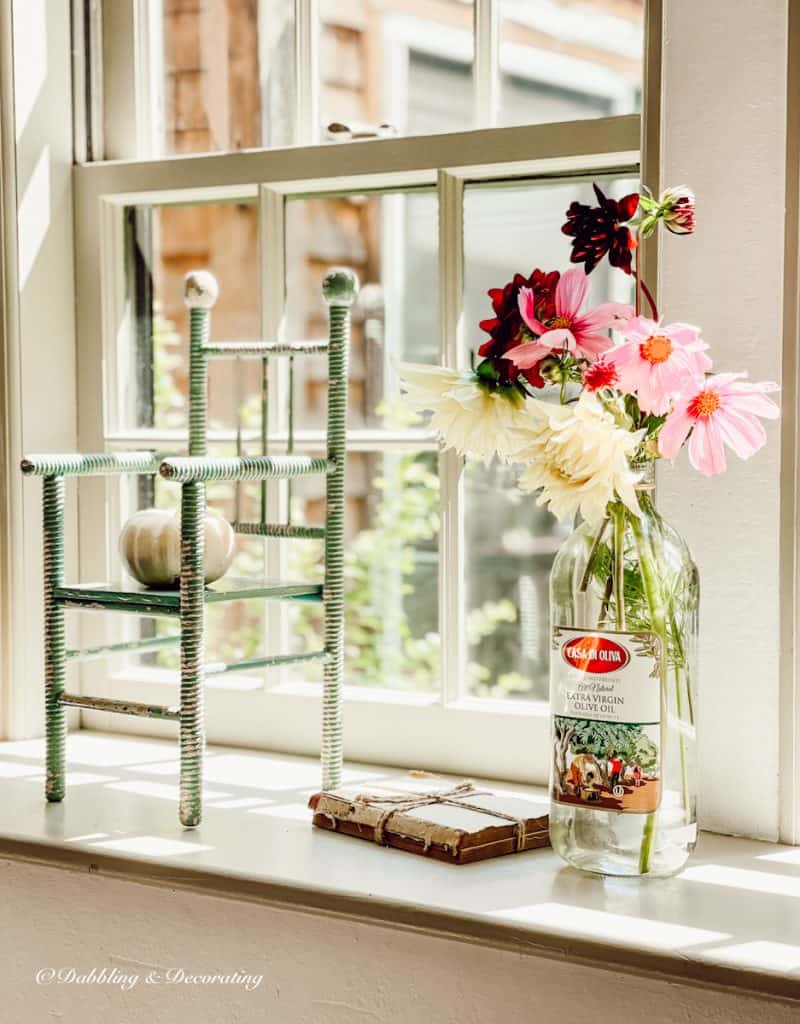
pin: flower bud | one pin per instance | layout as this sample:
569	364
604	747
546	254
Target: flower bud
676	208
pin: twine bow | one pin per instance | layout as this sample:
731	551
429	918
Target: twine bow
410	801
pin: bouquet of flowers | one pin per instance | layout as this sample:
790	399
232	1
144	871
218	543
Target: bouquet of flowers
638	396
585	401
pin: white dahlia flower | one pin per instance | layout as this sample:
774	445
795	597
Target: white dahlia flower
577	456
467	416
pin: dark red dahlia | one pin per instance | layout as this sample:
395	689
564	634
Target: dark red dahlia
507	328
597	230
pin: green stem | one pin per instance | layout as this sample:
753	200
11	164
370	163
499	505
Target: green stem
655	604
618	513
587	573
680	659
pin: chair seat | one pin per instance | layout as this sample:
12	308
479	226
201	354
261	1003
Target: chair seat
128	596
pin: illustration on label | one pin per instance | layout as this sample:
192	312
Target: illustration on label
605	695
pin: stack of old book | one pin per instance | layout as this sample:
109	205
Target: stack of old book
459	824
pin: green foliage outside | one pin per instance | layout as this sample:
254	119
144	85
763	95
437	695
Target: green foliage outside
391	631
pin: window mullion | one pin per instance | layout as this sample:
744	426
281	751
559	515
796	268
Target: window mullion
452	607
486	67
272	255
306	70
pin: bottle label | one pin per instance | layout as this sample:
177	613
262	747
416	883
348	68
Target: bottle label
605	699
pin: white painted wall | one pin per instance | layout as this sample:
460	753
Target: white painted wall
37	400
724	133
317	970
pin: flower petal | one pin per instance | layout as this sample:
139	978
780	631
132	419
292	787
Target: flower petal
607	314
740	431
571	292
528	354
674	432
706	450
592	345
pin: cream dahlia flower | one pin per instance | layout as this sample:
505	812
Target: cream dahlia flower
577	456
467	416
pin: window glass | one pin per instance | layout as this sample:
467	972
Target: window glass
164	243
510	542
391	243
228	75
388	62
390	571
562	60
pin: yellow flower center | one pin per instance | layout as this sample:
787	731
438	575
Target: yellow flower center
560	321
657	349
704	404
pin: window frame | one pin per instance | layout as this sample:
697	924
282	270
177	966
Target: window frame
448	731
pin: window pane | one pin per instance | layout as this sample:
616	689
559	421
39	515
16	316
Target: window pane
518	228
391	564
391	243
564	61
395	63
163	244
510	545
228	75
510	542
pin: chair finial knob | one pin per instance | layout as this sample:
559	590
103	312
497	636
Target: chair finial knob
340	287
200	289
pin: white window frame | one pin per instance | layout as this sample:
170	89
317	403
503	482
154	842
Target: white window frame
448	731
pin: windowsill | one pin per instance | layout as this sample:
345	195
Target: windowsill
728	920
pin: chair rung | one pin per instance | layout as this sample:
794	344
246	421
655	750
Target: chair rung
155	643
280	530
121	707
103	463
221	349
217	668
245	467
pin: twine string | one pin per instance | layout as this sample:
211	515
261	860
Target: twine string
410	801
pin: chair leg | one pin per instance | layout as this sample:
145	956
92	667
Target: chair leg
192	726
54	653
340	293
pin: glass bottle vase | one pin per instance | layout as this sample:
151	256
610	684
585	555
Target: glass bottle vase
624	602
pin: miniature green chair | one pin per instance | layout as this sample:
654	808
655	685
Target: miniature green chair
188	603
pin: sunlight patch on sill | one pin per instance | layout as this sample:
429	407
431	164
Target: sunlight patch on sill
565	919
775	957
743	878
151	846
160	790
784	857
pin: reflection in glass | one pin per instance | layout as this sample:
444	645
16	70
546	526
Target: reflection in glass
391	243
228	75
566	61
163	244
391	62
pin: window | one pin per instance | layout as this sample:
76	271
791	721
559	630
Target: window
447	564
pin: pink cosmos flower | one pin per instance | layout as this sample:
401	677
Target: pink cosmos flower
656	362
723	412
578	332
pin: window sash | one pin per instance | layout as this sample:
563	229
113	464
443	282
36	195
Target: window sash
443	731
448	731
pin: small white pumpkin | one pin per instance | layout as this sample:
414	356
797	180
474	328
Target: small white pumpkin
150	547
